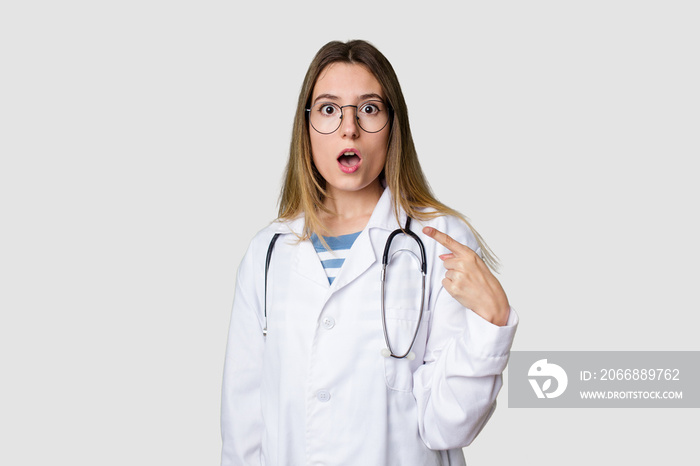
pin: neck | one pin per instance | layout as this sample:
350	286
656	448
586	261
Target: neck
350	210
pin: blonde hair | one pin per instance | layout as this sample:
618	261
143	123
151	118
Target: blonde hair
303	190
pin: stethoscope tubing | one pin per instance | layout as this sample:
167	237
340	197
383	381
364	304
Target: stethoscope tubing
267	267
423	268
385	262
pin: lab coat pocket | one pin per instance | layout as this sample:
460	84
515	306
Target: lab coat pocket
400	326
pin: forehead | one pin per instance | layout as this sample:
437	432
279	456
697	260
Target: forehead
347	81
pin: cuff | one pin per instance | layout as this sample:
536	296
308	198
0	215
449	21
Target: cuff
488	340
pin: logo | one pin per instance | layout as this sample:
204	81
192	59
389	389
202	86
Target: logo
544	370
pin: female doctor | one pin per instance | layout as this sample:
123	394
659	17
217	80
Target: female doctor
325	365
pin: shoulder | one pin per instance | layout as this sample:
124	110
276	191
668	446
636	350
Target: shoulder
262	240
266	233
278	227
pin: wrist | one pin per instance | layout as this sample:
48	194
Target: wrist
497	314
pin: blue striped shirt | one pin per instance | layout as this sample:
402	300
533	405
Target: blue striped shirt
332	260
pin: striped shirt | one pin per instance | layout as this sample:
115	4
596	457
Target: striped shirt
333	259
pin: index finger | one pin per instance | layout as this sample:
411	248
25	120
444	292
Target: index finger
446	240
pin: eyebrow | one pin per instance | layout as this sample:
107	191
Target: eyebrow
336	98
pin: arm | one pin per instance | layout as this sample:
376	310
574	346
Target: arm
456	387
241	418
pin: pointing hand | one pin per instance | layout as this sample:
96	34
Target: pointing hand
470	281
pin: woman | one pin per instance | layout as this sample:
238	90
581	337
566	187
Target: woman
314	371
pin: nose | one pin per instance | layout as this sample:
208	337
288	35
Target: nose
349	127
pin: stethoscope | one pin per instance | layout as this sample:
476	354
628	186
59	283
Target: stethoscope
422	263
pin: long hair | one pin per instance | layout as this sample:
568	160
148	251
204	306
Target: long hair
304	189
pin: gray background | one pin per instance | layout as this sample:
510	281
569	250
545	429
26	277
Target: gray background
143	142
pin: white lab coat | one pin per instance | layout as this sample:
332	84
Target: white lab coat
317	390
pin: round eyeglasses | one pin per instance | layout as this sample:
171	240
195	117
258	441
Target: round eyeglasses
372	116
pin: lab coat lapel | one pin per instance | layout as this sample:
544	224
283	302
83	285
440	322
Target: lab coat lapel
306	262
309	265
361	258
364	253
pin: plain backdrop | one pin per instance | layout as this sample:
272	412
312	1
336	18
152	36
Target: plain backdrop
142	145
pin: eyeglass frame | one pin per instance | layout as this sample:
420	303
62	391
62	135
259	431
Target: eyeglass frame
342	114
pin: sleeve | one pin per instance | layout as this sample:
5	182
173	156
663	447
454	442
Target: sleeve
456	387
241	417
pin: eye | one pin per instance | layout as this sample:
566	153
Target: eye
328	109
371	108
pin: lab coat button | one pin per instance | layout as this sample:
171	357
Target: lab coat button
323	395
328	322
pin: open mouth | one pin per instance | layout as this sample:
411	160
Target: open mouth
349	160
